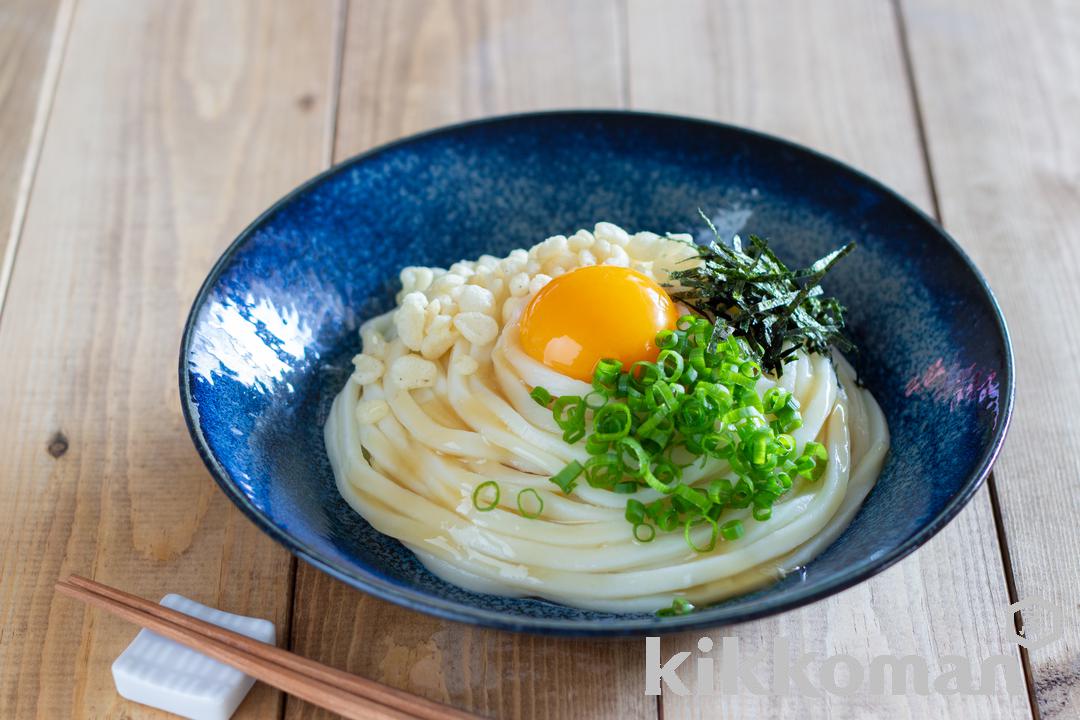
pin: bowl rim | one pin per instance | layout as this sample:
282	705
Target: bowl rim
408	597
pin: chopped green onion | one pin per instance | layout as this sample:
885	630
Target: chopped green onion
743	494
669	521
612	422
718	445
494	503
670	364
660	395
694	416
637	532
595	445
603	470
693	496
750	369
639	459
666	340
539	501
732	530
566	478
541	396
760	450
697	360
679	606
573	434
775	398
606	374
644	373
569	411
715	531
720	491
596	400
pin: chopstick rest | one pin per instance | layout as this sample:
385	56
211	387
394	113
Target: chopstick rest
166	675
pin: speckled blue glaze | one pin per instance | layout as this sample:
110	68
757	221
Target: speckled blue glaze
271	333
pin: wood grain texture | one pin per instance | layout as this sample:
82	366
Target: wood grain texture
416	64
409	66
494	674
999	83
831	75
173	124
27	29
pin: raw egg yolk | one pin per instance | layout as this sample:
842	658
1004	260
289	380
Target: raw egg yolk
592	313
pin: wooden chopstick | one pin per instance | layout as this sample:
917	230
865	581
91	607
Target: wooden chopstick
341	692
421	707
308	688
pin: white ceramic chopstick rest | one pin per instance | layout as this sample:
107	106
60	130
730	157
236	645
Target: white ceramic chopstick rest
164	674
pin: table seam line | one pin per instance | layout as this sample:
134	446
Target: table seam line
50	80
991	486
329	153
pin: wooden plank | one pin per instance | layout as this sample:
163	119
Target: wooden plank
831	74
1000	88
418	64
173	125
495	674
408	66
27	32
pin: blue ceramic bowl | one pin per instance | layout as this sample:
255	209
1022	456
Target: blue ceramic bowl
271	334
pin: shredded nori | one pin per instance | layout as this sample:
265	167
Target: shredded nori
774	309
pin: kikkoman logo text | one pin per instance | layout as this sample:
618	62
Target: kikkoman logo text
783	670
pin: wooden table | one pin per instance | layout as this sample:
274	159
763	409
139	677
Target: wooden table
137	139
